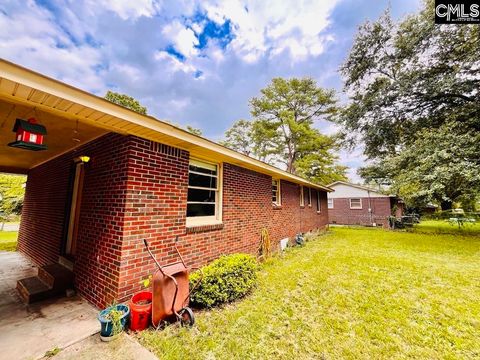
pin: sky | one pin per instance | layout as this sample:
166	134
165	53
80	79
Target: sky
190	62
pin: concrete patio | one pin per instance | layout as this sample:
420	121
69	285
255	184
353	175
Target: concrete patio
30	331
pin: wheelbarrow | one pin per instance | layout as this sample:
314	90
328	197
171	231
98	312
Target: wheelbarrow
171	291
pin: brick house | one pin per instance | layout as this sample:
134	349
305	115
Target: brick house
352	204
111	177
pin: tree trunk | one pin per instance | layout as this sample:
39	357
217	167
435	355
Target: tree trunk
446	205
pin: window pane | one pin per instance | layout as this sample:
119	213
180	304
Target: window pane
330	203
201	195
355	203
200	210
203	170
202	181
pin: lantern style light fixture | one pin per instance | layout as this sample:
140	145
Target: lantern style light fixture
30	135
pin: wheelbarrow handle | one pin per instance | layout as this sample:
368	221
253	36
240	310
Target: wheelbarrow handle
153	257
192	290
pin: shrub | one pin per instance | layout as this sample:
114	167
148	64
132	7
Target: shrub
225	279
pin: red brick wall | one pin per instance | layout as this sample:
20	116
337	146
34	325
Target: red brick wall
43	212
99	241
136	189
158	180
342	214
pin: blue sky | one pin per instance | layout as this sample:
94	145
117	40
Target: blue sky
189	62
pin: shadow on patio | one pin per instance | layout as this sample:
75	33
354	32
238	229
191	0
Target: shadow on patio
28	331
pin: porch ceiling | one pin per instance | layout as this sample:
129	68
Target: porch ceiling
61	133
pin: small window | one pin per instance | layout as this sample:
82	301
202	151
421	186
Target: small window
276	192
319	204
302	197
355	203
203	198
309	197
330	203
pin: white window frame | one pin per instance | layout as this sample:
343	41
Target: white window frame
309	197
319	203
278	195
212	219
302	196
330	203
356	207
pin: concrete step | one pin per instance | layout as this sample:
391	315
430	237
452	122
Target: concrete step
56	276
52	280
33	289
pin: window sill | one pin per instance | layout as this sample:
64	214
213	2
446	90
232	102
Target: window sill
197	228
277	207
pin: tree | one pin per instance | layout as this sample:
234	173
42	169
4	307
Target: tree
239	137
439	166
407	81
283	132
126	101
12	192
194	131
286	111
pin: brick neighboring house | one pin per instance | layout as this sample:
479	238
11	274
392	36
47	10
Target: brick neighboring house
352	204
90	202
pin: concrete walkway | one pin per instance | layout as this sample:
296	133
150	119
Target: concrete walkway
11	226
28	332
123	348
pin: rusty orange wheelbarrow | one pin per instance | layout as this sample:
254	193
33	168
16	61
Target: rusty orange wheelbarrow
171	291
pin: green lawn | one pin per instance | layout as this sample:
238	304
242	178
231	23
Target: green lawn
354	294
8	240
445	227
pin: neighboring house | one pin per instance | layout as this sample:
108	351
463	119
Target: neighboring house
352	204
111	177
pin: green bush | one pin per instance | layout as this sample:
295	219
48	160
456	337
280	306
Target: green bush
225	279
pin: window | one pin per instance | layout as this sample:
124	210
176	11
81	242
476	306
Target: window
319	204
355	203
309	197
330	203
302	197
276	192
305	194
204	198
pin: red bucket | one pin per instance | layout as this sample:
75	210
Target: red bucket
140	311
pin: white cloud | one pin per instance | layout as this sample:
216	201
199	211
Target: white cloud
171	63
183	38
128	9
33	39
263	26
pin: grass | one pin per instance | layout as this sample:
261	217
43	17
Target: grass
350	294
8	240
445	227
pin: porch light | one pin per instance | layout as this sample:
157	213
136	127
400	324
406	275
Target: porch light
84	158
30	135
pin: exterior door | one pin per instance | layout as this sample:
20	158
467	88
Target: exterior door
74	215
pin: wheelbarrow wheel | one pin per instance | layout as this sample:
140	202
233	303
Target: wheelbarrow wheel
186	317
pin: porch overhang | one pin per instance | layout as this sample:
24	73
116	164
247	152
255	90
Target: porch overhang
65	104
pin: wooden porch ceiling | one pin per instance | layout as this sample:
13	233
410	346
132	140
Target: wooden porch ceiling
60	137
